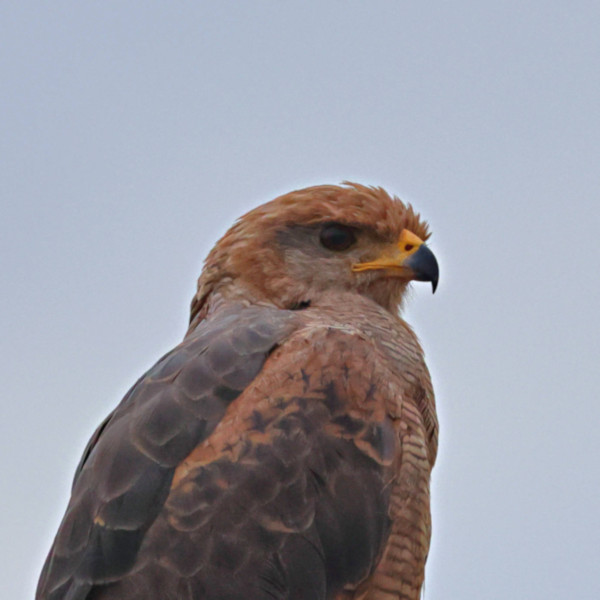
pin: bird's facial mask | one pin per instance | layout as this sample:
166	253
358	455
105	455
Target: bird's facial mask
409	257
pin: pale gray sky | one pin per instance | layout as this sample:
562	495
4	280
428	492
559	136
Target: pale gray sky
133	133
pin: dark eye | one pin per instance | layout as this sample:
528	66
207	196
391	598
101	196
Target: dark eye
337	237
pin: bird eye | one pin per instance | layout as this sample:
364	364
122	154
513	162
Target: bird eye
337	237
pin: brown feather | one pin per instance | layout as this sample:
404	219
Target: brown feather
247	251
284	448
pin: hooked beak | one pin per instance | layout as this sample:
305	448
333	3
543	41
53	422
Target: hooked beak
410	257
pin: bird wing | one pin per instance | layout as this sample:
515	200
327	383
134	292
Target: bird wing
195	490
126	470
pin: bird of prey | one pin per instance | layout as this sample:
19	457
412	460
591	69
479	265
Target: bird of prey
283	449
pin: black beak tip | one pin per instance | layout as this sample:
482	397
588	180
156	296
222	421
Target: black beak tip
424	266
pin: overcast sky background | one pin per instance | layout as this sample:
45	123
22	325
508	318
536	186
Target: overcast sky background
133	133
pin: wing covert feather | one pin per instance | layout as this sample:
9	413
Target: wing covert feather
289	496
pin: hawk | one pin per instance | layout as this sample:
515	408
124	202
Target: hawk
283	449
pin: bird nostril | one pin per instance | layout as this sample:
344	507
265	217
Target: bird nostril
408	247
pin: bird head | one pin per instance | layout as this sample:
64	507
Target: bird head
321	239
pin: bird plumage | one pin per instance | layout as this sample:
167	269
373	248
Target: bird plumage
284	448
